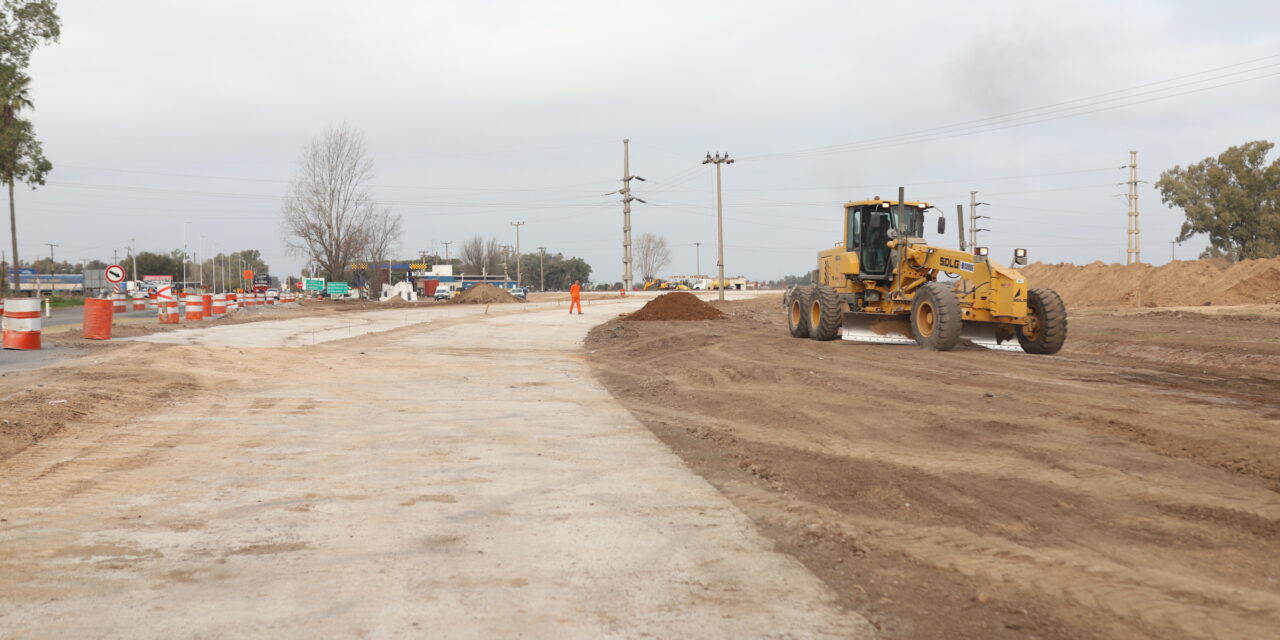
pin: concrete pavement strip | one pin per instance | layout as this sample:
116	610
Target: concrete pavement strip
465	478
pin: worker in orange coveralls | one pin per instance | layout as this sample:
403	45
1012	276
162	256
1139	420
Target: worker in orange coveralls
575	296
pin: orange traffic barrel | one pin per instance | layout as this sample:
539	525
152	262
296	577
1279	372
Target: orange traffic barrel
219	307
193	303
206	305
21	323
97	319
232	305
139	301
168	311
118	303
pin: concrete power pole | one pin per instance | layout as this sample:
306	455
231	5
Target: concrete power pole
1134	252
519	280
697	248
717	161
625	192
973	219
542	272
446	244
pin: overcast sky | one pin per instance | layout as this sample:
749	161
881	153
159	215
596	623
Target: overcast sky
157	114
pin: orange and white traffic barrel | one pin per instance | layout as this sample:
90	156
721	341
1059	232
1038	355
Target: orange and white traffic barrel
139	301
194	305
206	309
118	303
232	305
219	308
97	319
168	311
21	323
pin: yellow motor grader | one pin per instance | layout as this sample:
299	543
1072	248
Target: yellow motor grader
881	284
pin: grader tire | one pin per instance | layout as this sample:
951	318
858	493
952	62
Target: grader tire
935	317
798	313
824	313
1046	328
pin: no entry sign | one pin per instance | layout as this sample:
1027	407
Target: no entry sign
114	274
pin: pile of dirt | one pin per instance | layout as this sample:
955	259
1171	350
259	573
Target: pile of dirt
1183	283
677	305
485	294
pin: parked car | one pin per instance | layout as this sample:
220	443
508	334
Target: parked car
520	292
273	293
442	294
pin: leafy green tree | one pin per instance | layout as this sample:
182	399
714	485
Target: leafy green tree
24	25
560	272
1234	198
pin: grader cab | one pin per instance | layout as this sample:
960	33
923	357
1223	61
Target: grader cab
883	284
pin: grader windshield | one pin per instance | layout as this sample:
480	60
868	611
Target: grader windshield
868	227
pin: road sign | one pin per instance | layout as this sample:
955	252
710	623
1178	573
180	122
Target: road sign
164	292
114	273
337	288
313	284
248	274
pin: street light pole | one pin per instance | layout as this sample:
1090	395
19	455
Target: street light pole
718	160
698	253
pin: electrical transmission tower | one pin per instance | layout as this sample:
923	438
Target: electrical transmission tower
1134	252
625	192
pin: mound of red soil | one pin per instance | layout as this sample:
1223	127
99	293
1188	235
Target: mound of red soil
485	294
677	305
1184	283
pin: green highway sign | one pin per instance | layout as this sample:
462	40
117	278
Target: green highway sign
337	288
313	284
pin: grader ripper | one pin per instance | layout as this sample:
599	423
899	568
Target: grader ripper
880	285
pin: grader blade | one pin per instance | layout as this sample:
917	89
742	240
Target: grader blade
876	328
989	335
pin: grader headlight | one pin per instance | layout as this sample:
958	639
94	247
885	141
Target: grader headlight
980	251
1019	256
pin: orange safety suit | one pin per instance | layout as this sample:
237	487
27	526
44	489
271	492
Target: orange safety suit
575	298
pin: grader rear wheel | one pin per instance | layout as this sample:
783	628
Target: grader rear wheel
797	312
824	313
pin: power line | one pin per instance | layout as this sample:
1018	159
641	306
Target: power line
986	124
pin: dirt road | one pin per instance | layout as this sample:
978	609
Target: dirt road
462	477
1127	488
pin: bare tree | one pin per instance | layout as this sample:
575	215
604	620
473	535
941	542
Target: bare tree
328	209
652	255
479	255
384	230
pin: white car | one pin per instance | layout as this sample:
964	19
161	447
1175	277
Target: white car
274	294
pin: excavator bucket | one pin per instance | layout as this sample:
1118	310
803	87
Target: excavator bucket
875	328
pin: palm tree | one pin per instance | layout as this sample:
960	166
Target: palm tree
15	97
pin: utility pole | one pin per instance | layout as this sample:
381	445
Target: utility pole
517	225
973	219
51	246
542	273
625	192
1134	251
200	255
717	161
697	248
446	244
184	257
